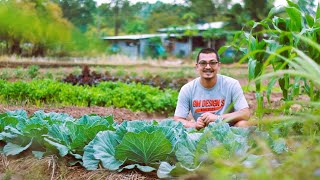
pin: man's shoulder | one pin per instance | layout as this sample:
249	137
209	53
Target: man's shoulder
190	84
227	79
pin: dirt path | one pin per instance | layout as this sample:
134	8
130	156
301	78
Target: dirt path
119	114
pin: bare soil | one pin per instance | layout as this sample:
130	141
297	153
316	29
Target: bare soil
119	114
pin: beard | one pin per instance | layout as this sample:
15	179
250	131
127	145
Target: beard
208	78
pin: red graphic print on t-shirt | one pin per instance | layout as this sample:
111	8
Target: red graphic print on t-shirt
207	105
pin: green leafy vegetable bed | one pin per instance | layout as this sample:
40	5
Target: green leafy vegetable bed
136	97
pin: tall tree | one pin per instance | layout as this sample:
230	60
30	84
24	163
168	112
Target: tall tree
258	9
237	16
105	21
142	17
165	15
78	12
37	24
115	13
204	9
135	26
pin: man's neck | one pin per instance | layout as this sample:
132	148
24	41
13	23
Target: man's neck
208	83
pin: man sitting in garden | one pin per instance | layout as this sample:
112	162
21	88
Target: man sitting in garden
211	96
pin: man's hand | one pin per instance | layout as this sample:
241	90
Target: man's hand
199	124
190	124
208	117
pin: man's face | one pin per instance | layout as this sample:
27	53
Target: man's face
208	65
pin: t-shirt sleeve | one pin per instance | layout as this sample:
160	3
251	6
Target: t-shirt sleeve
183	106
238	97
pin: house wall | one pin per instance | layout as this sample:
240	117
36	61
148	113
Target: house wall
143	47
181	49
128	48
133	48
183	46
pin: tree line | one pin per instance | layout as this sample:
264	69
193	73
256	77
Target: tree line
74	27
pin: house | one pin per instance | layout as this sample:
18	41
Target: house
136	46
172	41
184	45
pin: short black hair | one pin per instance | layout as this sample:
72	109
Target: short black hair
208	51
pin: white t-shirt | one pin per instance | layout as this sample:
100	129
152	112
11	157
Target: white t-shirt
224	97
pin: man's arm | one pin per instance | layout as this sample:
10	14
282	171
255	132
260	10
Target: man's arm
234	117
240	104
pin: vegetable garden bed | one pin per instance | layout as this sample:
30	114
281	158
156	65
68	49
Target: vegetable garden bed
97	142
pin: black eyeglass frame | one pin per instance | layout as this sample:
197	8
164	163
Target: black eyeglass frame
205	63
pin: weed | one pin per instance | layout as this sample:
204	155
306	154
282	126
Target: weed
76	70
33	71
5	74
120	72
48	75
19	72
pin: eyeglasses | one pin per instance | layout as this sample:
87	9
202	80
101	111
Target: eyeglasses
205	63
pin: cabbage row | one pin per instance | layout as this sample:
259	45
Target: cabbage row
93	141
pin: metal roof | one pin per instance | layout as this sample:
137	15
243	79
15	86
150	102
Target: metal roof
201	27
134	37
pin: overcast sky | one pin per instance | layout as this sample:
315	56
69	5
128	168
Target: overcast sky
277	2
